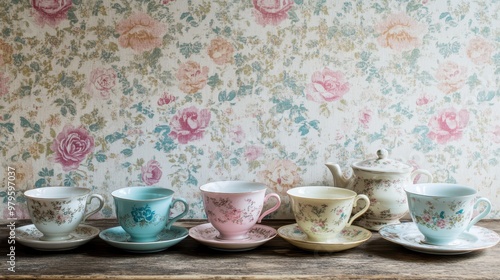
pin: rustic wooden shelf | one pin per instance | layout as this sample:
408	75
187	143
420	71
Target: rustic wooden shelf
277	259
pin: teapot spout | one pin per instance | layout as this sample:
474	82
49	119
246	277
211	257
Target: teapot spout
338	178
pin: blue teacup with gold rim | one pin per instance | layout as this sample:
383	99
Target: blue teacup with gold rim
143	212
442	212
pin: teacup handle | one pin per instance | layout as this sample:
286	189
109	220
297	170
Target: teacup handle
89	200
421	172
174	219
362	211
274	208
483	213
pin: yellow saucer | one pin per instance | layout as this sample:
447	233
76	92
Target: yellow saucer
348	238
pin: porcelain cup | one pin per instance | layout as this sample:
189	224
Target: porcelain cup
443	211
234	207
57	211
322	212
143	212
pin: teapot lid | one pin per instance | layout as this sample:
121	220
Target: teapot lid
382	164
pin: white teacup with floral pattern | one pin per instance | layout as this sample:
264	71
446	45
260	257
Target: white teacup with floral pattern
322	212
234	207
57	211
444	211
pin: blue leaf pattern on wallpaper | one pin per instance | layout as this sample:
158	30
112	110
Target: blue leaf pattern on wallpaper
174	93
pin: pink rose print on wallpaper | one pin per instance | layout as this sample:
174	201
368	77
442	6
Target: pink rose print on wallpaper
50	12
165	99
151	172
423	100
220	51
400	32
365	117
280	175
71	146
451	76
237	134
327	86
479	51
189	124
102	81
140	32
253	152
496	134
448	125
192	77
271	12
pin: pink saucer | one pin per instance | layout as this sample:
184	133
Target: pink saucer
207	235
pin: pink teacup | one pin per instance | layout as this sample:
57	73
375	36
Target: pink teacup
233	207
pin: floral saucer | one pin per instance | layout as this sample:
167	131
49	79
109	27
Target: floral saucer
348	238
408	235
30	236
207	235
117	237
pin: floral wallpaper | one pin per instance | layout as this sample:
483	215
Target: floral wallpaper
177	93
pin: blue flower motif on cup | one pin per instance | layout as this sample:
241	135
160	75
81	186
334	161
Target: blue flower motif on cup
142	214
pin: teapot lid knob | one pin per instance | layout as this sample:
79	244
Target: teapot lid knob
382	164
382	153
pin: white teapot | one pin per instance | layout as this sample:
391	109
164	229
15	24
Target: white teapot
383	181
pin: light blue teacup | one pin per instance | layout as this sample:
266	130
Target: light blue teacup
444	211
143	212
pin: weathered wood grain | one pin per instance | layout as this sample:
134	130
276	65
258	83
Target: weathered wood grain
376	259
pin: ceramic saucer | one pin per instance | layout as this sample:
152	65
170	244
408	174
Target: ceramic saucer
30	236
117	237
348	238
207	235
408	235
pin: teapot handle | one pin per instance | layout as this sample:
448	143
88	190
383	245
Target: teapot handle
417	172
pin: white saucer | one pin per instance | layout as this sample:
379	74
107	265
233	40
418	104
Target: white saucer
207	235
408	235
117	237
348	238
30	236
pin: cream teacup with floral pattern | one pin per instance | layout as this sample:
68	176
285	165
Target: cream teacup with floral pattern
57	211
234	207
444	211
322	212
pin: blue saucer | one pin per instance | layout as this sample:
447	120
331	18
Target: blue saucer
117	237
